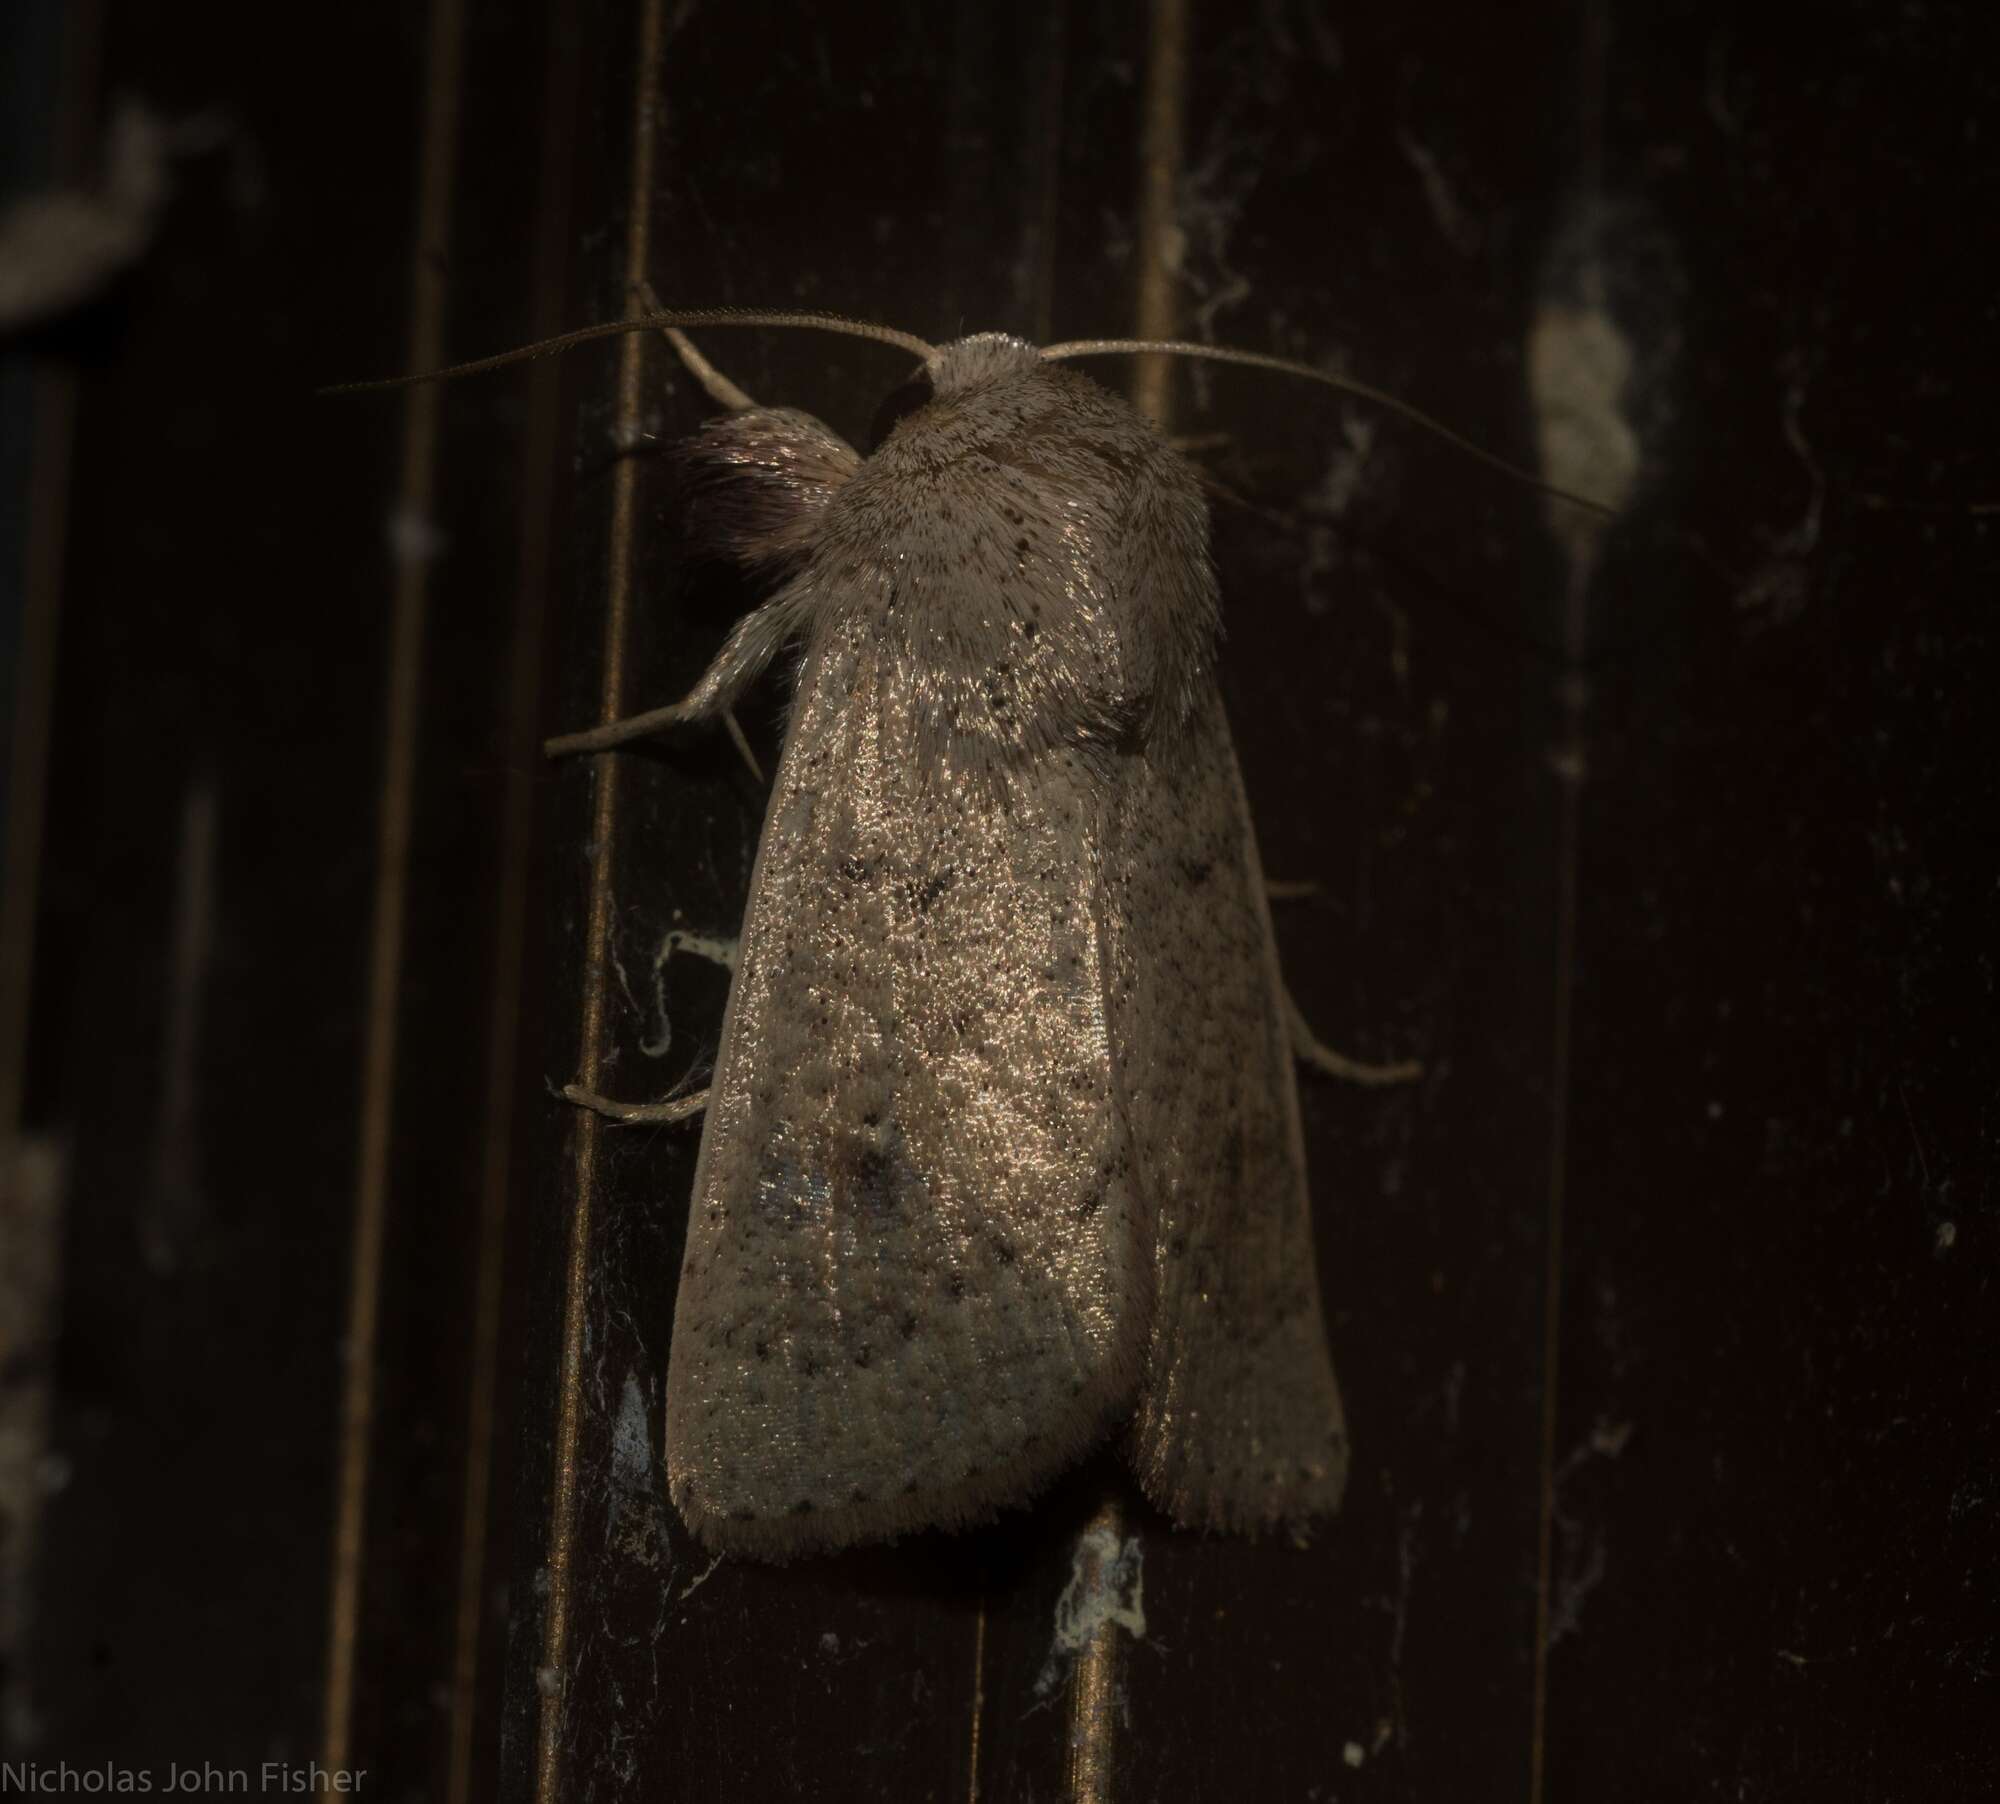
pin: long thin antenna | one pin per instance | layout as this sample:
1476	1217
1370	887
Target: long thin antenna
1258	360
653	322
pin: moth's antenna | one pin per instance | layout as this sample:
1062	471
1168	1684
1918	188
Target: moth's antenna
1258	360
653	322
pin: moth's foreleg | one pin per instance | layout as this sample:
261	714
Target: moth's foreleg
615	733
1309	1049
719	389
637	1114
756	640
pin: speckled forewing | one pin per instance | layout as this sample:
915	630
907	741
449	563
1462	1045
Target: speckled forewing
1240	1422
914	1285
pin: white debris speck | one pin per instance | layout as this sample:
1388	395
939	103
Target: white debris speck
1578	365
1106	1589
414	538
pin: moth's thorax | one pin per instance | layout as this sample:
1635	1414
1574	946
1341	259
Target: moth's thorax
990	449
992	397
1030	550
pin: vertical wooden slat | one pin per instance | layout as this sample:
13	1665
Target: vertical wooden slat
485	1453
430	265
588	1131
1095	1711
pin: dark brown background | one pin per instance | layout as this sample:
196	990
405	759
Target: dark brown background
1663	1304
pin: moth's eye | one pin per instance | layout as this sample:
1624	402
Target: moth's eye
902	401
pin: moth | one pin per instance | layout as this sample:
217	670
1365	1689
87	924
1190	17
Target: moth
1002	1152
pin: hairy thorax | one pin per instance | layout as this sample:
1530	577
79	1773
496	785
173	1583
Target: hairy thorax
1032	555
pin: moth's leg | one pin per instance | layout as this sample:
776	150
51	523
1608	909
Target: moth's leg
749	648
726	395
1309	1049
741	741
1221	491
718	951
637	1114
719	389
696	705
755	641
1201	449
781	469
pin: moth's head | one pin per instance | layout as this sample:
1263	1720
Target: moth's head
966	364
